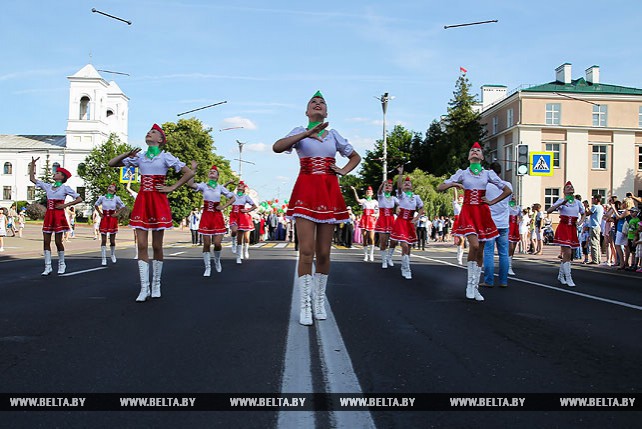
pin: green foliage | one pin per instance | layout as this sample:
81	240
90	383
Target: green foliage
188	140
97	173
399	145
346	182
435	203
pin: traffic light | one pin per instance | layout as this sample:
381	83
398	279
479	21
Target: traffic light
522	159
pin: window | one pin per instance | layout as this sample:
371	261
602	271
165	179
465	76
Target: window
85	109
599	115
553	113
8	168
599	157
508	158
109	112
551	195
600	192
31	193
509	118
555	148
639	157
6	192
81	191
495	124
54	167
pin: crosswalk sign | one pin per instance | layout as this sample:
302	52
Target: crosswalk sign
129	174
541	164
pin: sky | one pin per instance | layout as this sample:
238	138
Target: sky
266	59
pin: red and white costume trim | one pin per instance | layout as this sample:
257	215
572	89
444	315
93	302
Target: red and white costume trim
212	221
316	195
475	217
386	218
566	232
456	211
403	228
368	218
55	219
243	221
151	209
109	222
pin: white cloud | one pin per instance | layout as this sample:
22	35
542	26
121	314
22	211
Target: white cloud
256	147
238	121
360	143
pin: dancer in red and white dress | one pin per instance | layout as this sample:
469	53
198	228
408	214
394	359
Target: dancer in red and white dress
151	210
404	230
385	221
475	221
212	224
241	220
108	206
55	219
514	217
367	222
316	202
458	201
570	211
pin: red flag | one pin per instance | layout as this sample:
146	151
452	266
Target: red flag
463	70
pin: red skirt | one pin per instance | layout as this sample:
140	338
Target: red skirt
403	229
245	222
566	232
368	222
212	221
513	233
108	223
55	219
385	221
455	222
234	215
475	217
316	195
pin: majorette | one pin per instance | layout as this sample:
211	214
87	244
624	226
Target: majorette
241	220
458	200
151	210
404	228
212	224
385	221
367	222
108	207
55	220
316	201
570	211
475	222
514	217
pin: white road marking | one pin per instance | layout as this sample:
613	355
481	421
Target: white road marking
281	245
82	272
569	291
177	253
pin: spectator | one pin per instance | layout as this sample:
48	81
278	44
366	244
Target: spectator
421	232
596	213
194	221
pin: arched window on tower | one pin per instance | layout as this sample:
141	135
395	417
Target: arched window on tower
109	112
8	168
85	109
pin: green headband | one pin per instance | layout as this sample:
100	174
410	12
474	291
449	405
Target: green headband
317	94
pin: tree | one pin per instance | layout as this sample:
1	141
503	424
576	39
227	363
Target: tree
462	129
346	183
399	146
97	174
188	140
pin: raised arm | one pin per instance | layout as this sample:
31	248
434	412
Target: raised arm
190	182
117	161
32	169
356	195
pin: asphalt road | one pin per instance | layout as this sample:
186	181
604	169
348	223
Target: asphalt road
236	332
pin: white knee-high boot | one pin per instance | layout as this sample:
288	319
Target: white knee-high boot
112	252
48	268
371	248
234	245
143	271
208	264
320	283
246	250
405	267
478	296
391	251
157	267
567	274
470	289
510	266
365	253
460	255
217	261
384	258
61	262
562	275
305	289
239	254
103	255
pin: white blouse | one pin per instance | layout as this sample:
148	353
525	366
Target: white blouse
58	193
213	194
476	181
156	166
412	203
110	203
387	203
575	209
331	144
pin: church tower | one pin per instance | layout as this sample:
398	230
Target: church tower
97	108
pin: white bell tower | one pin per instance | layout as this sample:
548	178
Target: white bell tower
97	108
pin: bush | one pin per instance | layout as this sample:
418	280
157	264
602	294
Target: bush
21	204
36	211
123	216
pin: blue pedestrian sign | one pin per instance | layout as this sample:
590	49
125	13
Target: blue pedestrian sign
541	164
129	174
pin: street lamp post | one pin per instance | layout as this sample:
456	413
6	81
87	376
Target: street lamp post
240	159
384	107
